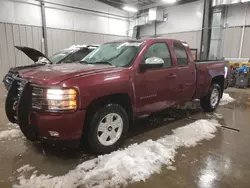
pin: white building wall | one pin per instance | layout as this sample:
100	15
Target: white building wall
21	24
235	15
91	4
184	23
20	12
234	20
80	20
182	18
61	17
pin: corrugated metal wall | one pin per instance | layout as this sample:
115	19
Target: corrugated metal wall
59	39
231	42
31	36
246	44
11	35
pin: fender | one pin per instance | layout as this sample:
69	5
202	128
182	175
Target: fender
94	86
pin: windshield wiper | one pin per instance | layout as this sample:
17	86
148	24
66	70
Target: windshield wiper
101	62
85	62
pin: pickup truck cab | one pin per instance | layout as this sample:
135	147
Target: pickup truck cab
99	97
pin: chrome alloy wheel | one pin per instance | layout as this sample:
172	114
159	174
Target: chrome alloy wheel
214	97
110	129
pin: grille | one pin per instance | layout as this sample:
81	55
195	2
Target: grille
37	98
9	77
20	87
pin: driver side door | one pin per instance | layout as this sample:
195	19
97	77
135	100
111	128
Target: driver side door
154	87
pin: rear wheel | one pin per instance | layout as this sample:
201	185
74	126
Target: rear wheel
107	128
210	102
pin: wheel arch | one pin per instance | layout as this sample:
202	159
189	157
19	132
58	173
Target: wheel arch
122	99
220	80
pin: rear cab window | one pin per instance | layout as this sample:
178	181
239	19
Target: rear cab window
181	54
159	50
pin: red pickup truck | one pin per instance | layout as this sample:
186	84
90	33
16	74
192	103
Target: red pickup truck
99	98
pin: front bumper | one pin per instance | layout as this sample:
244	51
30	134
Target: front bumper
37	125
68	125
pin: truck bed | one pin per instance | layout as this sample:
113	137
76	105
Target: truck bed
208	61
205	71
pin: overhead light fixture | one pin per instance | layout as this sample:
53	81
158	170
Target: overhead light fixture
130	9
170	1
235	1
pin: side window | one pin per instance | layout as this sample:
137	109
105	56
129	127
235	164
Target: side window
181	54
159	50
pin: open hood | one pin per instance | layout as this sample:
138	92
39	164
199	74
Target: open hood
32	53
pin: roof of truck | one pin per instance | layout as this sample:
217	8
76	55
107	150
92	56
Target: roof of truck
84	46
149	39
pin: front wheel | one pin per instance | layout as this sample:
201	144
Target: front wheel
108	128
210	102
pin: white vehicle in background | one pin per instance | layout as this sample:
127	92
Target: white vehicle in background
72	54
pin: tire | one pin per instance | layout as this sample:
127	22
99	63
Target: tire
207	103
96	142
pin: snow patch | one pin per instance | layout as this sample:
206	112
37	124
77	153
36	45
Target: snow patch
219	116
78	46
226	99
25	168
10	134
171	168
13	124
135	163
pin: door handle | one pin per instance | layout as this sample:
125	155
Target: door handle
171	75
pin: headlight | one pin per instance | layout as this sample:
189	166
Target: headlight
54	99
61	99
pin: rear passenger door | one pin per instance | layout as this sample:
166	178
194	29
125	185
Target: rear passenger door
154	87
185	72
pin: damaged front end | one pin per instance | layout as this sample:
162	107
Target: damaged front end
18	105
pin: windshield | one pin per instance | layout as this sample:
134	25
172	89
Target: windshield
118	54
56	57
60	56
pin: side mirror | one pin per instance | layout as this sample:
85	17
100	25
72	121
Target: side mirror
154	60
151	63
